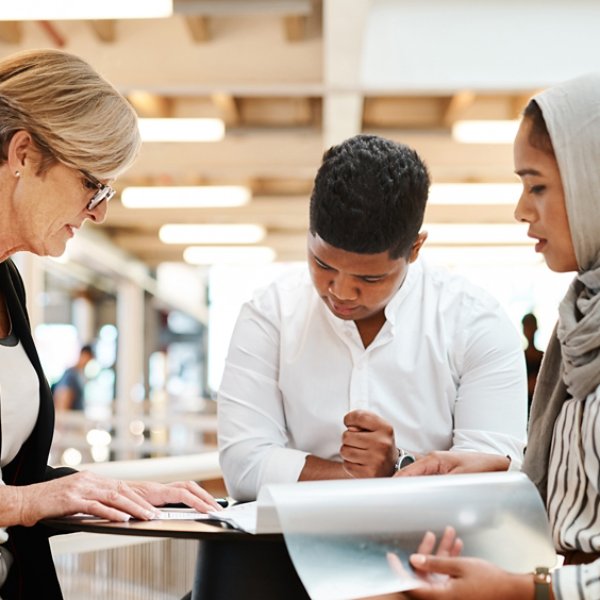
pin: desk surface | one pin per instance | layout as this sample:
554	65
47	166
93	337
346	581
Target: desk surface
209	530
260	561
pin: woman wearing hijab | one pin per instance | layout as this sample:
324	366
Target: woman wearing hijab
65	133
557	157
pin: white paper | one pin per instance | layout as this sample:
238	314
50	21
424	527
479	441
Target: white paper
242	516
169	514
339	533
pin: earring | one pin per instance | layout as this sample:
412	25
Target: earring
17	173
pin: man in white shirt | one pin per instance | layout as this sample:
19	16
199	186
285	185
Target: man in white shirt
370	357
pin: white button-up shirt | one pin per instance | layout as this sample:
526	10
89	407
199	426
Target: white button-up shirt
446	370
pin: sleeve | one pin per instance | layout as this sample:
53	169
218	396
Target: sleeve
56	472
252	433
491	406
577	582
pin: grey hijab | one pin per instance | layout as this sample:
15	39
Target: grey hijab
571	365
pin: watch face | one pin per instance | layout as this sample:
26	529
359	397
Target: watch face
406	460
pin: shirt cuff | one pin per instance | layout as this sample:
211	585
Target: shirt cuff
567	582
515	463
283	465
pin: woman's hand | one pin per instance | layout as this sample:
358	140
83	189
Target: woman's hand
450	545
89	493
446	576
186	492
446	462
467	579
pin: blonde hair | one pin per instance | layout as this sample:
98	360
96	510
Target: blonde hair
73	114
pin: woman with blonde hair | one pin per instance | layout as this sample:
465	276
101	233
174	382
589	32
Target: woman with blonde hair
557	157
65	135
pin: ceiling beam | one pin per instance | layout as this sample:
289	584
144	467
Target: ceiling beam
53	33
273	212
412	112
148	244
456	106
294	28
199	28
11	32
151	105
343	24
105	30
282	112
228	108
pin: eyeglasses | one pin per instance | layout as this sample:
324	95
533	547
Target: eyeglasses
103	191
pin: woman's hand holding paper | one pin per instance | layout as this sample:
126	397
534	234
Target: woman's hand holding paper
448	462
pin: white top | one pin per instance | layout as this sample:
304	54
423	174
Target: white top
447	370
574	495
19	399
19	407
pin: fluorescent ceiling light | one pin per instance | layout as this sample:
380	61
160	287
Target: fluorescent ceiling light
477	234
57	10
474	193
485	132
181	130
207	196
239	255
211	234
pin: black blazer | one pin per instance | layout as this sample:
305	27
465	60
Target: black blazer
33	566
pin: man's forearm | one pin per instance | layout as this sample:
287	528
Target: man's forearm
316	468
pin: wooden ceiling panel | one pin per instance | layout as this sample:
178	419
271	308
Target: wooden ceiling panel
410	112
279	112
270	77
11	32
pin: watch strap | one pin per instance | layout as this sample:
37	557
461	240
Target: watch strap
542	582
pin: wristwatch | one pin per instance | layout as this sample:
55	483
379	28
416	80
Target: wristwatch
542	581
404	459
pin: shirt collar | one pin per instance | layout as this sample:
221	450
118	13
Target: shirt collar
414	271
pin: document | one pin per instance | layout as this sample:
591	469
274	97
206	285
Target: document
340	533
188	514
241	516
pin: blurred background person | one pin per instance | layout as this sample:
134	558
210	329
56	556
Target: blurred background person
69	391
533	355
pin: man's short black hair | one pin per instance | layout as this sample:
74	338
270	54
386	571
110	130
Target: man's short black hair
369	196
